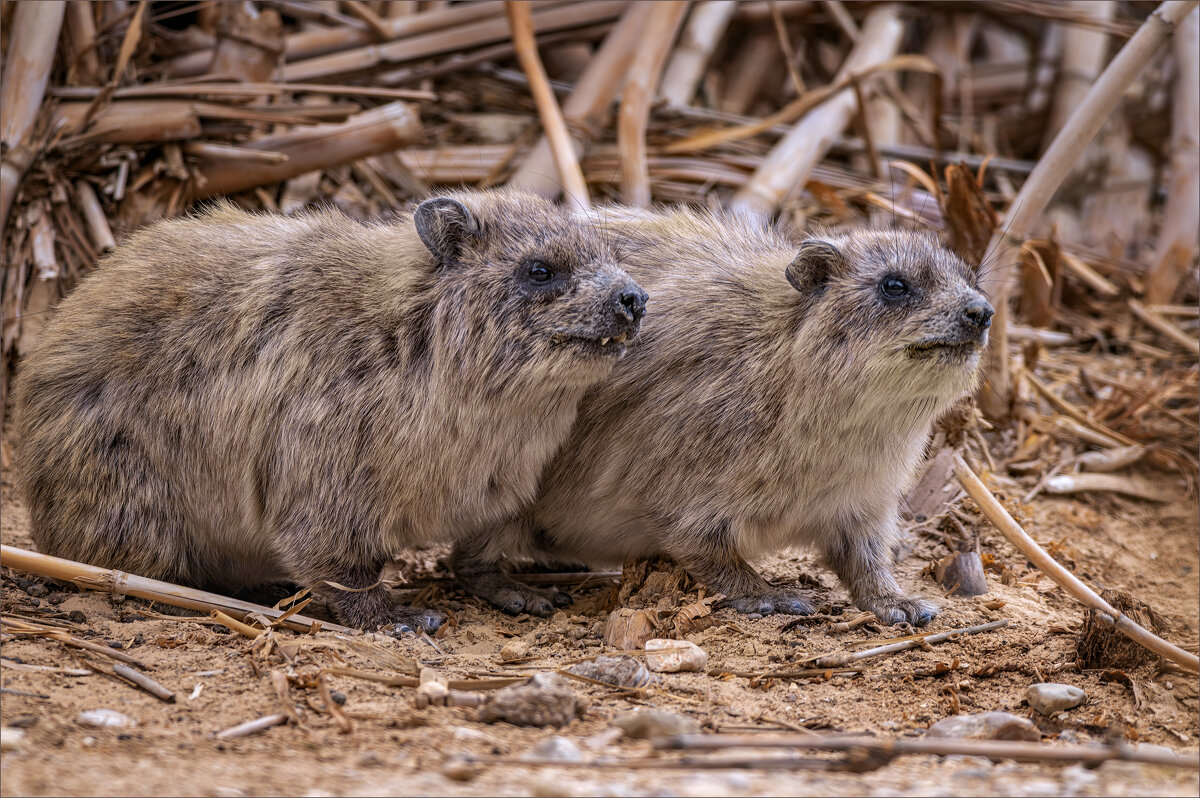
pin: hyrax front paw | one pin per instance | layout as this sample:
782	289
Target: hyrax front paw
892	610
410	620
782	602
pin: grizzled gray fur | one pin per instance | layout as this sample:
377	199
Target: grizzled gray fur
779	395
233	399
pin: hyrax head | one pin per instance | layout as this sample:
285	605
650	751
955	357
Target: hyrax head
547	284
903	305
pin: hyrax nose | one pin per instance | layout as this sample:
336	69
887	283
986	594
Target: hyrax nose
978	316
630	304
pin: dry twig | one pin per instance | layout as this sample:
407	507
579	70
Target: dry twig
1060	575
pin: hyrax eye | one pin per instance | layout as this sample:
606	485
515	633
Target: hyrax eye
540	273
893	287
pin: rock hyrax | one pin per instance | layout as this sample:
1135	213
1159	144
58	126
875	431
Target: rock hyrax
235	398
779	395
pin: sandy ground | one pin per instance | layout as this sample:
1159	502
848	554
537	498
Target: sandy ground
395	748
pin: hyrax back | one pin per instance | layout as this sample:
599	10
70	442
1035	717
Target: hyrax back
233	398
779	395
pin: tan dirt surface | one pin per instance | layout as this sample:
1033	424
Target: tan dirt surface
395	748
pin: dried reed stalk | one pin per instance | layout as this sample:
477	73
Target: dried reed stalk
145	682
320	41
372	132
995	396
792	159
640	86
565	159
1181	218
1169	329
588	102
1038	556
131	121
81	31
993	749
485	31
706	24
754	65
252	726
113	581
32	42
1084	50
93	214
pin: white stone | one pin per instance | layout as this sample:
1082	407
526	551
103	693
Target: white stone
557	749
105	719
687	657
1049	698
10	738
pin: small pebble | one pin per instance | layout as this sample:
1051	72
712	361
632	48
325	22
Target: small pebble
1049	698
691	658
75	616
619	671
545	700
460	768
105	719
985	726
647	723
514	650
338	697
556	748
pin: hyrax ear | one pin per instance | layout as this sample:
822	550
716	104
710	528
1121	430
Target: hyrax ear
444	226
814	264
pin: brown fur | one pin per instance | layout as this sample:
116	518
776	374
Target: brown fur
234	398
775	398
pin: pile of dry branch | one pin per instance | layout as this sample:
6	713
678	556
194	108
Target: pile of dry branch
944	115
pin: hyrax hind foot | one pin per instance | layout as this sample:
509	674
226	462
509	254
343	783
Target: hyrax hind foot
892	610
410	620
374	609
511	596
778	600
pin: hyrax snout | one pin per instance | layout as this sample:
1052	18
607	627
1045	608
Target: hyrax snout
232	399
780	395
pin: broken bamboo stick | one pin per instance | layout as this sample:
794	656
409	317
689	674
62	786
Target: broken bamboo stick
485	31
640	87
588	103
114	581
993	749
699	39
372	132
33	36
566	160
792	159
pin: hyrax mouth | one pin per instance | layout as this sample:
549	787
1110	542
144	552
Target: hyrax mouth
942	349
603	346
